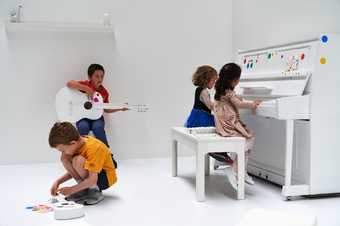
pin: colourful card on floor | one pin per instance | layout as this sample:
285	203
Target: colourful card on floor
42	208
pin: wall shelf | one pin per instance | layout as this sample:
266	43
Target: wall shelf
96	28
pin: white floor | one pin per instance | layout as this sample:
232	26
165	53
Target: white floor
146	194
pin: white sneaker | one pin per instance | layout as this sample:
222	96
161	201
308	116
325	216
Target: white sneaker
218	165
231	175
248	179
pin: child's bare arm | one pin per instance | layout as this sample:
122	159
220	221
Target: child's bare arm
115	110
72	84
59	181
205	98
91	180
239	103
64	178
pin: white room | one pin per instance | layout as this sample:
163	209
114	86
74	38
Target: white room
142	58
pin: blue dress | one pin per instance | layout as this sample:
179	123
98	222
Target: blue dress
200	115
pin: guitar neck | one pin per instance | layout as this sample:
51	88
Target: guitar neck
109	106
137	107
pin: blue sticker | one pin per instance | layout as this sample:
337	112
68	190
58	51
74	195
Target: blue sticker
324	38
29	207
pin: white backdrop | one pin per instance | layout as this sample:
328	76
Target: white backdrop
157	46
261	23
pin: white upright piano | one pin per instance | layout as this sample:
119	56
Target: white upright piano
297	127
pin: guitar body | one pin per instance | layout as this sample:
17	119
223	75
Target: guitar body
73	105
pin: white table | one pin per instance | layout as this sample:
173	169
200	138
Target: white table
205	141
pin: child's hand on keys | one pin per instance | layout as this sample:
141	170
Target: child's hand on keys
256	103
259	102
66	191
54	188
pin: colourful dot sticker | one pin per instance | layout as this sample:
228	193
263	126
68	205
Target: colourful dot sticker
269	55
324	38
96	99
323	60
251	65
302	56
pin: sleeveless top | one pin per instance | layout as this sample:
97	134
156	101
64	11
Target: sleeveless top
198	104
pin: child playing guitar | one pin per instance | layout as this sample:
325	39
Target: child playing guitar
94	84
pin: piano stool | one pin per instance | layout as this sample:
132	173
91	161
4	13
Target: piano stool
204	141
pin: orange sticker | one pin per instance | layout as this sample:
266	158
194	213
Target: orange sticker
323	60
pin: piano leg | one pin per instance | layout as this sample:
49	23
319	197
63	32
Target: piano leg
288	189
289	156
289	151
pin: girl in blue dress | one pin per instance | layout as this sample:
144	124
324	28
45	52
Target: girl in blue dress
200	116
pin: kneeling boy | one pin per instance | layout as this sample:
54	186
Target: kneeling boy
86	159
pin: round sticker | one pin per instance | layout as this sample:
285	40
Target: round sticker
323	60
324	38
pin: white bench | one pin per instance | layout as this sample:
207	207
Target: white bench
204	140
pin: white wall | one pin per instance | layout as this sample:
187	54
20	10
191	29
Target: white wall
261	23
156	47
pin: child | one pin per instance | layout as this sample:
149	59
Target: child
227	117
86	159
204	78
95	74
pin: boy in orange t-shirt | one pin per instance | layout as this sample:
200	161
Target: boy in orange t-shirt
86	159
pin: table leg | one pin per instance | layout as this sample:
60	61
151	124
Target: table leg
240	173
200	177
174	155
207	164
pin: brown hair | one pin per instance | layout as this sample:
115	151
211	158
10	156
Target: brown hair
62	133
203	75
228	73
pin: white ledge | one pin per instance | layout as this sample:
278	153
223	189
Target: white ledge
59	27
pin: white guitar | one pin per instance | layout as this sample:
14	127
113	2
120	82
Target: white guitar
73	105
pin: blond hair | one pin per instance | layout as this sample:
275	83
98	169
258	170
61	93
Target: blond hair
203	75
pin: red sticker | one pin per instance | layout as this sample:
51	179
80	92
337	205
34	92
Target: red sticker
302	56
